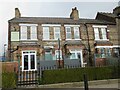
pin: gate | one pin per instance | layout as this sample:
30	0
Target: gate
27	78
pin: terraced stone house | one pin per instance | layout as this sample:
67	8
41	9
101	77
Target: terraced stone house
69	41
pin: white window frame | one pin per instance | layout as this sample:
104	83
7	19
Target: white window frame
33	33
96	34
104	33
29	64
57	32
23	32
102	27
25	27
68	33
76	29
78	51
46	33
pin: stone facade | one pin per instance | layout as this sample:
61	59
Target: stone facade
86	44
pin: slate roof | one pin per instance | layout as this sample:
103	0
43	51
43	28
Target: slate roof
108	14
110	17
55	20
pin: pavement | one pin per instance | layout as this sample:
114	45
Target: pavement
110	84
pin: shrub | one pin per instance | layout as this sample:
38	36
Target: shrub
8	80
76	74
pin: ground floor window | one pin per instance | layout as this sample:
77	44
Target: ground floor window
57	53
48	54
29	60
108	52
76	55
103	52
116	52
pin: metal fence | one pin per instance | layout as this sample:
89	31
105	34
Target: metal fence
72	63
27	78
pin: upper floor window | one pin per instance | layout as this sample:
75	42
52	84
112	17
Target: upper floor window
46	33
68	33
76	33
51	31
100	32
28	31
57	33
72	32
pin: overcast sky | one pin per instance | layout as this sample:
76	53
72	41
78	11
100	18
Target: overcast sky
48	9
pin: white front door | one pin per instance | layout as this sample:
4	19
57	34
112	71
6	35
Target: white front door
29	61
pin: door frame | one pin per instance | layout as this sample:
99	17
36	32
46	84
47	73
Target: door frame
30	52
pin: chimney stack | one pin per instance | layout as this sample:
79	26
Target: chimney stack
17	13
74	14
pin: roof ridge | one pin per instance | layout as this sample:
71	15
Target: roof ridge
105	12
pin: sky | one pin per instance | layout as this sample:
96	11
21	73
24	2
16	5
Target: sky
35	8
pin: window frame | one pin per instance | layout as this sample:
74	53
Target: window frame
78	30
23	31
45	50
68	33
96	34
58	54
108	52
57	33
26	31
44	33
102	27
78	51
